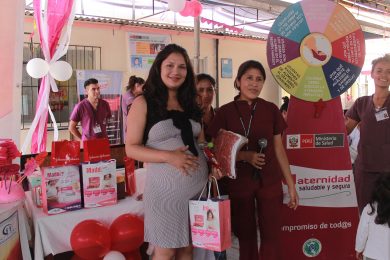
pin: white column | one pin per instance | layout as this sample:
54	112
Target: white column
11	58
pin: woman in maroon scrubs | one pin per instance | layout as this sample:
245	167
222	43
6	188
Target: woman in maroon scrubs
258	186
372	115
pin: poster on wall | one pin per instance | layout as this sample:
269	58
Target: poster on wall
226	68
144	49
110	90
9	236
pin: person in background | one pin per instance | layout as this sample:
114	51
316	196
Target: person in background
372	115
257	191
284	107
205	87
133	89
93	113
165	122
373	233
353	140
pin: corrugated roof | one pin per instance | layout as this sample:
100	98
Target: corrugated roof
163	26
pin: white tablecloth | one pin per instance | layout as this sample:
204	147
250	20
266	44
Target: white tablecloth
52	233
24	230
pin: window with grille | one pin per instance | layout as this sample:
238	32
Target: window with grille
63	101
203	63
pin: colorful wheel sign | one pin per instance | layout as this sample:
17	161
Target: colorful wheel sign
315	50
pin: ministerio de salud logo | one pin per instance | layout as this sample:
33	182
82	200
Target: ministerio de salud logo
312	247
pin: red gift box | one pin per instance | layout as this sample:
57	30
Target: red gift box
97	150
65	153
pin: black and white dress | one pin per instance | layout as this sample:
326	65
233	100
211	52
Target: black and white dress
167	191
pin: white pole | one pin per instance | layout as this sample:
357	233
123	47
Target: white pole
197	44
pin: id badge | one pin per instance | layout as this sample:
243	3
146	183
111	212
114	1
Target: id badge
97	129
381	115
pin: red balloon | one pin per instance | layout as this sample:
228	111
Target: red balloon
127	233
133	255
90	239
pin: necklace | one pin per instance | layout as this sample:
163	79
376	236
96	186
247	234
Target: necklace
379	102
246	131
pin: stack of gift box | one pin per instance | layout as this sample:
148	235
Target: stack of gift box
68	185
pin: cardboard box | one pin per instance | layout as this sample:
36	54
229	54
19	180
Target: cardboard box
61	189
99	184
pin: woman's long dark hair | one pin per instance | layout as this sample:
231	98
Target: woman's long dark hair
156	93
132	81
381	196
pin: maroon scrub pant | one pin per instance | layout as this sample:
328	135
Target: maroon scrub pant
365	185
266	201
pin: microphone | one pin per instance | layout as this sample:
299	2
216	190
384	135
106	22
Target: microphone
261	144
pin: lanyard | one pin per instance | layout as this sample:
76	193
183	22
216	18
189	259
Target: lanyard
246	131
94	112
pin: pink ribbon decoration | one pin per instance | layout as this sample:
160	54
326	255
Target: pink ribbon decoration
231	28
54	21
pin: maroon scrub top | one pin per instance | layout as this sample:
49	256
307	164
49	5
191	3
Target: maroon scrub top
374	144
89	117
267	121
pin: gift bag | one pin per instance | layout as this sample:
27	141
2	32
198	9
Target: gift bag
120	184
210	222
97	150
65	153
129	175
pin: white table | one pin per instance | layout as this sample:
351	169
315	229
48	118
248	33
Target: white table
52	233
7	211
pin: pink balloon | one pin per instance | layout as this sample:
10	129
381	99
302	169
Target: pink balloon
187	9
196	8
192	8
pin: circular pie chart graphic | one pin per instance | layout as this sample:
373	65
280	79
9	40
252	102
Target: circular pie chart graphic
315	50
